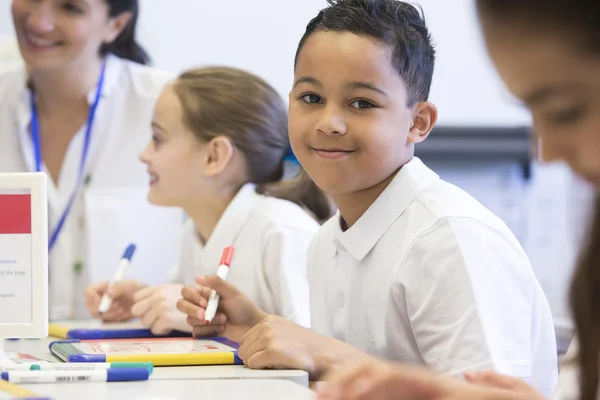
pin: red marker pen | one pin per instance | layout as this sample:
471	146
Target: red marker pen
213	301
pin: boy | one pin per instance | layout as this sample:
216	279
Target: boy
412	268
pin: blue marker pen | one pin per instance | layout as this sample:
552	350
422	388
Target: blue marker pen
106	300
98	375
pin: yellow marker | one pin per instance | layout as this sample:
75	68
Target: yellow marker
58	331
15	390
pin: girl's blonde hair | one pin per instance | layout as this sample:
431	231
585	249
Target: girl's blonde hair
226	101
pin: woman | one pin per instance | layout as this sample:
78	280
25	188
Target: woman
81	113
548	53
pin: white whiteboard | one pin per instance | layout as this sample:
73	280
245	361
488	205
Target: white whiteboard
23	256
261	36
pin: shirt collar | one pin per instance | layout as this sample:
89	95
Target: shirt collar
22	111
112	75
411	179
230	224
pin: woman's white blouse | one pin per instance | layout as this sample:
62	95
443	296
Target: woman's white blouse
111	209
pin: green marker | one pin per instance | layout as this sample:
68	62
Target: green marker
90	366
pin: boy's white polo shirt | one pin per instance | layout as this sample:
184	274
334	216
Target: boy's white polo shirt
429	276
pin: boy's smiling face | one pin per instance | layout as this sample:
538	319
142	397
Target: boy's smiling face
349	123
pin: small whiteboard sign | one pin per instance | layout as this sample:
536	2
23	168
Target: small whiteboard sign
23	255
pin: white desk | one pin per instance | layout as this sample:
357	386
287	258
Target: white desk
175	383
39	349
175	390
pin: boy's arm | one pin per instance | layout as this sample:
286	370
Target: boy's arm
469	298
278	343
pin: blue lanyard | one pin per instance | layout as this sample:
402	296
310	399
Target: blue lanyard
37	153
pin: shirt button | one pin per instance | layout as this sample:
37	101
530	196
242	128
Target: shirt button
342	300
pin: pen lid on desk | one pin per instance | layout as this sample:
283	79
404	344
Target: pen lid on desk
127	374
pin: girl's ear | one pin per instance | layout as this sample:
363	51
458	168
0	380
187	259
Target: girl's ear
219	152
424	118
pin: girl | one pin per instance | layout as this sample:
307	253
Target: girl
218	151
549	56
81	112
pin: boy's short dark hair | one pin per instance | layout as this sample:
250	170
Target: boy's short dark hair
397	24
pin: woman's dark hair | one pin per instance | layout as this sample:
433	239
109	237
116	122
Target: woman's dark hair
577	22
226	101
125	45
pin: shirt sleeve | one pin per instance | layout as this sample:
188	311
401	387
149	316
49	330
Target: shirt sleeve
567	387
468	292
285	264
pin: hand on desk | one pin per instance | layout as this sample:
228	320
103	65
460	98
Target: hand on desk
279	343
374	379
156	307
122	294
266	341
236	313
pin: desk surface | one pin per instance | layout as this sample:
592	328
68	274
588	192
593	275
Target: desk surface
175	390
39	349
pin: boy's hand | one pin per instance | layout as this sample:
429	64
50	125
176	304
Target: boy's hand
122	295
156	307
278	343
236	313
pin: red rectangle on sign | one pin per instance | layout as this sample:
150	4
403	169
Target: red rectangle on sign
15	214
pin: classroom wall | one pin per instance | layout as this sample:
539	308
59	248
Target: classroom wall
5	18
262	36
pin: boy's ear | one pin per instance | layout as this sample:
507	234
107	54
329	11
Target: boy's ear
424	118
219	152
